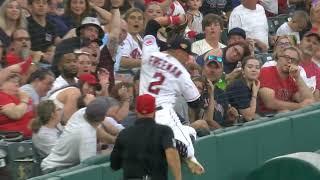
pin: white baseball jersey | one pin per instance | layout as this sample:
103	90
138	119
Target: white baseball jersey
175	9
163	76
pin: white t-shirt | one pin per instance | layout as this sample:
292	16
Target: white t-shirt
270	5
163	76
285	29
200	47
46	138
253	22
77	143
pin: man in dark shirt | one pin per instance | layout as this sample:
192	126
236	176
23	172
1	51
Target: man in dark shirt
42	31
144	150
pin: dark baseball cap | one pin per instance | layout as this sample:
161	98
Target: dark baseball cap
182	43
237	31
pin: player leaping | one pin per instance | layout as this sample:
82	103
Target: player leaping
164	76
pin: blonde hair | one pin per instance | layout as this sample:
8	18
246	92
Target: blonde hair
21	23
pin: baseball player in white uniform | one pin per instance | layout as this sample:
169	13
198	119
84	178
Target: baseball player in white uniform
164	77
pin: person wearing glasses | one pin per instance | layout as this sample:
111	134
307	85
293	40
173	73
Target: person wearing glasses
281	87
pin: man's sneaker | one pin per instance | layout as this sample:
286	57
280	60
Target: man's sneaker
194	166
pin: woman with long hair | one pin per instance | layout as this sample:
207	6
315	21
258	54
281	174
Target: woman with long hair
11	18
243	92
75	12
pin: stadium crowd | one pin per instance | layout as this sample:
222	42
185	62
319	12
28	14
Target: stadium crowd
250	59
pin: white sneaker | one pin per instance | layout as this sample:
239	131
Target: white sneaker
194	166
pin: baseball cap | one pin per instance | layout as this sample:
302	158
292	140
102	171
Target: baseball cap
237	31
145	104
88	78
97	109
91	21
181	43
312	33
215	59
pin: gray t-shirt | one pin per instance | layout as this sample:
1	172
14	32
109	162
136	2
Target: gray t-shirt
28	88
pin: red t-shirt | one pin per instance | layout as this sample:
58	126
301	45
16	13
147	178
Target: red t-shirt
311	70
20	125
284	88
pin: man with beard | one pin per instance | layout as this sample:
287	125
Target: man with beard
309	45
64	63
281	87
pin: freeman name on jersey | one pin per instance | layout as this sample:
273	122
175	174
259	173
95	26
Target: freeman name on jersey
165	65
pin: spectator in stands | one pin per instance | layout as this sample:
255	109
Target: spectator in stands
218	7
16	107
315	17
309	46
84	62
8	71
224	114
231	57
212	26
46	127
64	63
236	35
270	6
298	23
108	51
256	28
282	88
39	83
206	111
194	16
42	31
74	12
11	19
19	48
152	10
78	140
124	93
55	11
243	92
131	48
20	53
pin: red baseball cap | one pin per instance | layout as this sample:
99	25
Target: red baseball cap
145	104
88	78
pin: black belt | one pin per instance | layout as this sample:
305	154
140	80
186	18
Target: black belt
159	108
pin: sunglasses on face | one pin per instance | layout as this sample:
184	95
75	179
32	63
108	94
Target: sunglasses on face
214	58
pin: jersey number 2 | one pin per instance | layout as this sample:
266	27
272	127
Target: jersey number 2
161	78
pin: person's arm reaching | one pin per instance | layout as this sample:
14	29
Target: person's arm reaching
115	30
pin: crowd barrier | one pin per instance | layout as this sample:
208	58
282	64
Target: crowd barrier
230	153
